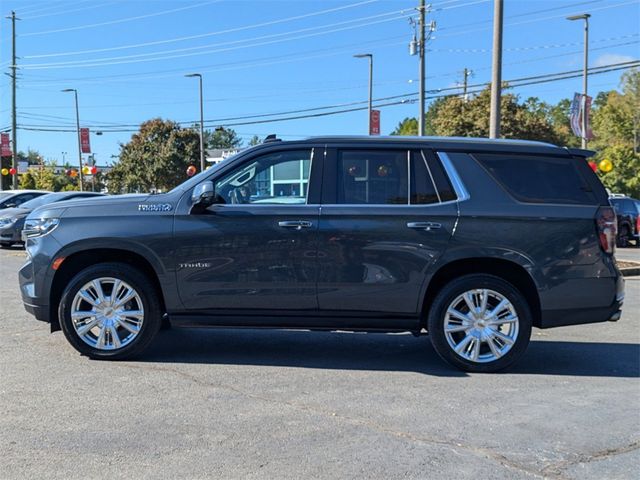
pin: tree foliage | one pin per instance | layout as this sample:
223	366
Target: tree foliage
222	138
408	126
45	178
616	124
156	158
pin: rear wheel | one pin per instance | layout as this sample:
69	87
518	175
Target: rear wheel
110	311
480	323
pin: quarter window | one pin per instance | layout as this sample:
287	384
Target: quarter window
275	178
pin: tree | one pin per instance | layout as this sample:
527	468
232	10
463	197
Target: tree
222	138
45	178
255	140
408	126
616	122
156	158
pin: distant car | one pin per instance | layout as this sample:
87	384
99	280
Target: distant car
12	219
628	213
15	198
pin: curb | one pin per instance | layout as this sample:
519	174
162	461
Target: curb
630	271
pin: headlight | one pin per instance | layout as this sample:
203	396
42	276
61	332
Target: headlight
6	221
37	227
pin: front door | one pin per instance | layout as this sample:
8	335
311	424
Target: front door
384	221
256	247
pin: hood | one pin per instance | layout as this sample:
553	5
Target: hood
99	200
14	212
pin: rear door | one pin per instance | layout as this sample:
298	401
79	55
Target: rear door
383	223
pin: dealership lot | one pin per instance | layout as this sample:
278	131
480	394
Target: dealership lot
274	404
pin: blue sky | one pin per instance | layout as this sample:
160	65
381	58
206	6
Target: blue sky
128	59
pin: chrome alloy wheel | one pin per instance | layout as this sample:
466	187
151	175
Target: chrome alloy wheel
107	313
481	325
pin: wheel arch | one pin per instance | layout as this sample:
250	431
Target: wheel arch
512	272
77	261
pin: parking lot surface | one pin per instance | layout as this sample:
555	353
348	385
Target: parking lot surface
283	404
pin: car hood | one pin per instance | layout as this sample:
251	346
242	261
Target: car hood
14	212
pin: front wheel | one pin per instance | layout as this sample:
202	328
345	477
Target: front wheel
110	312
480	323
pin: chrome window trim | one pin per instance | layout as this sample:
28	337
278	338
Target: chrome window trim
461	191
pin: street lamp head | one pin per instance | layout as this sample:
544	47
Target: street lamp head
582	16
68	90
193	75
363	55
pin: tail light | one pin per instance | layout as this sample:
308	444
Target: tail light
638	224
607	225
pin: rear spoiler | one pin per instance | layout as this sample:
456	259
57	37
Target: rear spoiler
579	152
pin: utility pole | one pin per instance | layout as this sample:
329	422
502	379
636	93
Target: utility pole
585	117
202	152
14	127
421	68
80	176
496	70
465	83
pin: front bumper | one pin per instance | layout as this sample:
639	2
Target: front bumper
10	234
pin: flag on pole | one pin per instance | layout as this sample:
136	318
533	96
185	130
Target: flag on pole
587	105
574	115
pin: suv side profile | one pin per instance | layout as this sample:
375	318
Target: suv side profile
628	214
471	241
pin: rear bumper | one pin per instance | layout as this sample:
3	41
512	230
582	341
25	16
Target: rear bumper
601	301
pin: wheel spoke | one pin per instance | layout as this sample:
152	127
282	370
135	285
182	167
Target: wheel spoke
87	297
100	341
504	320
475	350
115	339
133	328
457	314
456	328
468	299
484	298
80	315
498	308
137	314
84	329
463	344
97	287
128	295
494	348
505	338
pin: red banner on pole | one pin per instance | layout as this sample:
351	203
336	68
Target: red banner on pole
5	145
85	146
374	123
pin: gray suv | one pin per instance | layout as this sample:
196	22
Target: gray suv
471	241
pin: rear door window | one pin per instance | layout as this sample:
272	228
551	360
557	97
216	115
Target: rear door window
372	177
539	179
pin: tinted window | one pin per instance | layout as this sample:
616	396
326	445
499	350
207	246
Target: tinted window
538	179
275	178
422	188
372	177
445	189
44	199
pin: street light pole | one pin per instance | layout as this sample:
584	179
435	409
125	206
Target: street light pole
585	17
370	57
496	71
75	93
202	156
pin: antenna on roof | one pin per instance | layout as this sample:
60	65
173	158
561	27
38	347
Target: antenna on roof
271	138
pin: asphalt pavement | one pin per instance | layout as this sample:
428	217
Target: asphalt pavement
290	405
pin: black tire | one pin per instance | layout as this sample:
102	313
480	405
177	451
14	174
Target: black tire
6	244
455	288
152	318
623	237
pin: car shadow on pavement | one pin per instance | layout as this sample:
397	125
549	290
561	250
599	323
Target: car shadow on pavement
387	352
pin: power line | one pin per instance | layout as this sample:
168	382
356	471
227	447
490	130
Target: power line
164	57
73	10
122	20
405	98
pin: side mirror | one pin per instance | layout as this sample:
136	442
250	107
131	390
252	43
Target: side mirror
203	194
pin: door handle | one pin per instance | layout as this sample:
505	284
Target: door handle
295	224
426	226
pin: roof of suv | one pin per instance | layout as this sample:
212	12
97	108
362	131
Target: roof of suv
449	143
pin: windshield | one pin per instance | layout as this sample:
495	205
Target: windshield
193	181
44	199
